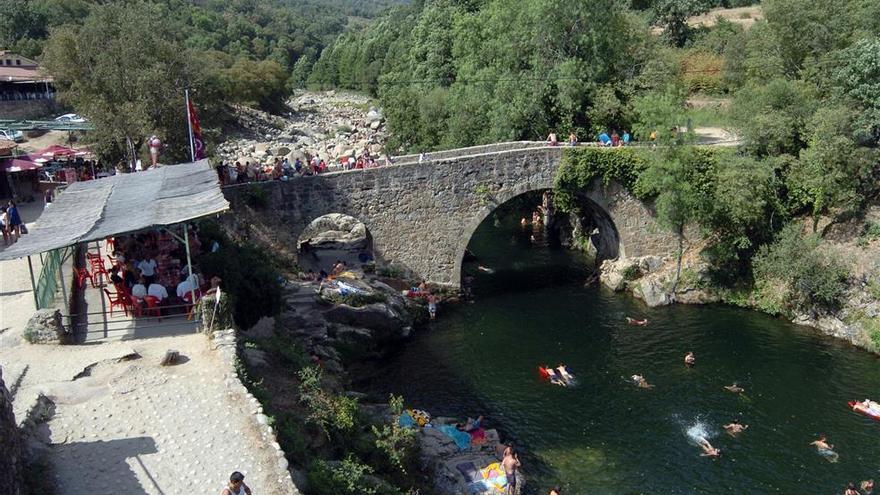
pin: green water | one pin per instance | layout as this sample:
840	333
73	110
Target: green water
605	436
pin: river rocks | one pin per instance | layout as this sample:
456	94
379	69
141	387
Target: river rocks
330	125
336	231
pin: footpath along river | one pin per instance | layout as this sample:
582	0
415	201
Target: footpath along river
605	436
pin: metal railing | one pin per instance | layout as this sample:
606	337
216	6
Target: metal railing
50	276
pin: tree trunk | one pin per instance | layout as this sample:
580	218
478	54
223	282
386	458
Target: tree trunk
678	265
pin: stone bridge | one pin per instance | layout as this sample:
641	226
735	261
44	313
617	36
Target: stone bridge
421	216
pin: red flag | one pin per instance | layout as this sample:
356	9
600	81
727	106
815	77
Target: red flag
198	144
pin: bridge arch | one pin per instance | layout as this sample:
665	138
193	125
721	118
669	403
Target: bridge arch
591	215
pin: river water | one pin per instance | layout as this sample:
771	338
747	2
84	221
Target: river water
605	436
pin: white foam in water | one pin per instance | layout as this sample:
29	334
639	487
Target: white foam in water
698	431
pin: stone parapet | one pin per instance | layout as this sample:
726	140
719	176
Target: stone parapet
225	344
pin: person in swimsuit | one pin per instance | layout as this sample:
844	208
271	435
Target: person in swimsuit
735	388
708	449
825	449
511	464
556	490
554	377
689	359
851	489
868	487
236	485
640	381
735	428
563	372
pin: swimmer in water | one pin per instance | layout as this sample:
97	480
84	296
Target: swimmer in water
523	221
735	428
563	372
851	489
867	406
555	378
825	449
735	388
638	323
708	449
689	359
640	381
868	487
485	269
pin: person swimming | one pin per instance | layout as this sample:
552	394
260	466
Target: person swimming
555	378
708	449
735	388
825	449
689	359
640	381
562	371
735	428
638	323
485	269
867	406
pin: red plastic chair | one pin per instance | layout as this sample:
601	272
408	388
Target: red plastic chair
82	274
153	308
118	300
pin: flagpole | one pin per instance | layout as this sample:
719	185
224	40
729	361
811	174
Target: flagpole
192	149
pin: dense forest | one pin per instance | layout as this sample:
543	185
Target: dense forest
798	83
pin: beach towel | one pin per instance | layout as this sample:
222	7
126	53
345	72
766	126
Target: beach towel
345	289
478	436
493	480
406	420
461	439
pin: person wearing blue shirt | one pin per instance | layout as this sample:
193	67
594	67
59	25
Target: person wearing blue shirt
605	139
626	138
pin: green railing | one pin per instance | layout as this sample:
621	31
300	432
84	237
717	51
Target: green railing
49	280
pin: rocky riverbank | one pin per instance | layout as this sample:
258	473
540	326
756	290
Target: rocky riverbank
328	124
857	320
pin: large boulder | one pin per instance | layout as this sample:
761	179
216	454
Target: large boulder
337	231
377	316
375	115
46	327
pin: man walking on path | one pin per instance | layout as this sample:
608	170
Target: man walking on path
236	485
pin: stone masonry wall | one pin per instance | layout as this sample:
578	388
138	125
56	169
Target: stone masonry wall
421	216
10	445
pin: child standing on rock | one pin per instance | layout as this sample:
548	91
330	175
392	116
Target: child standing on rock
432	305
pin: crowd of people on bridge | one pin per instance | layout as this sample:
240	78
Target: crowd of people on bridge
603	139
283	169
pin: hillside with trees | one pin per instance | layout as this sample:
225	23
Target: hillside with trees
799	86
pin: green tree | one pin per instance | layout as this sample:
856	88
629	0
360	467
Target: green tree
672	16
858	79
126	72
772	117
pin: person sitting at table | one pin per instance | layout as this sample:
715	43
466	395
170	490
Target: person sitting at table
158	291
148	266
139	290
187	285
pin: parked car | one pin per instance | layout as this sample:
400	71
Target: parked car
71	117
11	135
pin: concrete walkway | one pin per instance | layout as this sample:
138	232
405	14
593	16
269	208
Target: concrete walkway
123	424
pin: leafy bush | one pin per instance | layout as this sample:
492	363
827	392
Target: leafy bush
396	442
870	232
702	72
249	277
357	300
631	272
581	166
331	413
794	272
347	477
